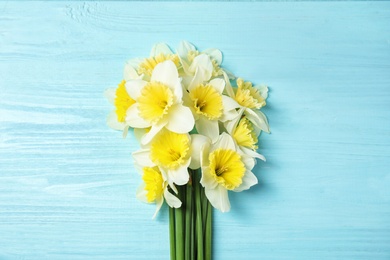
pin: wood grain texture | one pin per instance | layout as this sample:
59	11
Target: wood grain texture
67	184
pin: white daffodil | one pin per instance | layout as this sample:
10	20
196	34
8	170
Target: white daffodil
251	99
225	168
190	58
144	66
209	105
173	153
159	103
155	188
121	100
245	135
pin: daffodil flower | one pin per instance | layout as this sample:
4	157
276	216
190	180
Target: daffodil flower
251	99
173	153
159	103
245	135
120	98
225	168
144	66
155	188
209	105
190	58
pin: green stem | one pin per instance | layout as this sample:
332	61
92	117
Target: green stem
208	231
179	231
199	218
172	232
188	214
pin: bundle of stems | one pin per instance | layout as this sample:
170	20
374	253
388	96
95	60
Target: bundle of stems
190	226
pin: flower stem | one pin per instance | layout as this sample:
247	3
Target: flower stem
208	231
188	222
172	232
199	223
179	231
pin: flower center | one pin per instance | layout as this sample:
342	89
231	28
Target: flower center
170	150
154	101
153	183
248	96
207	101
245	135
227	168
147	66
122	101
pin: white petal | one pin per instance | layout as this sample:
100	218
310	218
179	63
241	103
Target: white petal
228	87
249	161
231	125
218	197
202	61
208	128
198	79
133	119
134	63
159	202
180	119
252	153
248	181
125	131
134	87
229	115
215	54
130	72
218	84
207	180
112	121
197	142
141	193
258	119
110	94
180	175
229	103
184	48
171	199
225	141
158	48
178	91
166	73
263	89
229	74
204	156
142	157
149	135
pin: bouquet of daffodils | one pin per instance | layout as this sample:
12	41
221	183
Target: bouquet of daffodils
198	127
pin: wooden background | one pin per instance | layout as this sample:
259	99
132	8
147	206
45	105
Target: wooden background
67	183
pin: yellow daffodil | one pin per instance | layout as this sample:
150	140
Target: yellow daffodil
245	135
209	105
154	189
120	98
251	99
173	153
159	103
225	168
190	58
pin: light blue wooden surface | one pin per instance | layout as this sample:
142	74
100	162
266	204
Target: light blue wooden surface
67	184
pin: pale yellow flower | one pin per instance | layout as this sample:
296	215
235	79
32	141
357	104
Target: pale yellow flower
154	189
159	103
251	99
173	153
225	168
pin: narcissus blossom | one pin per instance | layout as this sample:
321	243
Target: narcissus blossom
158	103
225	168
